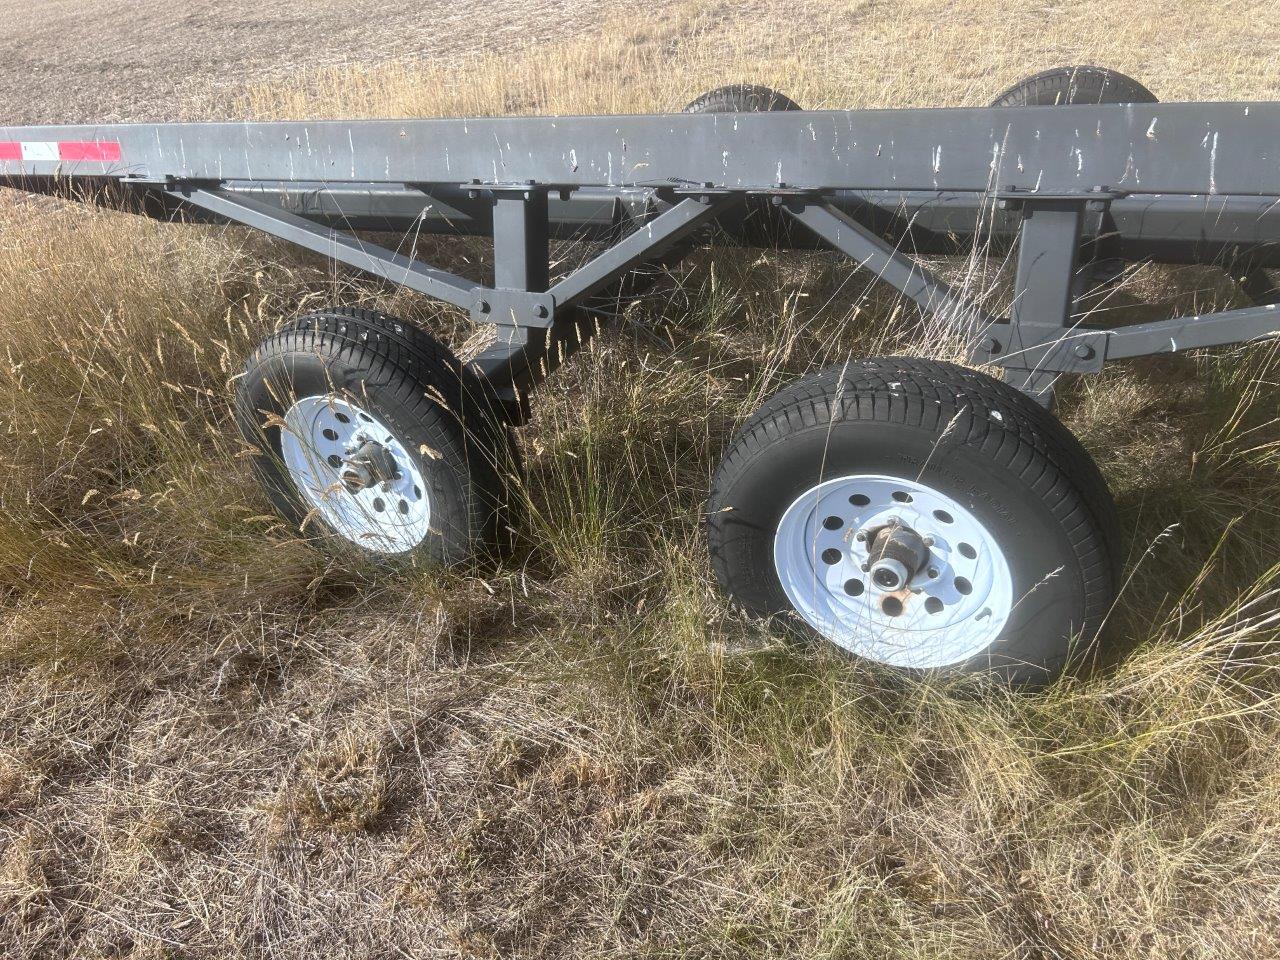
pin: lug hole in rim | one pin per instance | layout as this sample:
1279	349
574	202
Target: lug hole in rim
964	586
943	517
933	605
902	496
853	588
379	504
833	523
892	606
858	500
334	460
967	551
830	556
342	417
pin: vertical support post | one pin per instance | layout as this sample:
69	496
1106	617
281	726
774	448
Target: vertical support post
521	255
1044	290
521	261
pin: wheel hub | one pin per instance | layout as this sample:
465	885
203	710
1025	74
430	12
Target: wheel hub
367	463
355	474
897	554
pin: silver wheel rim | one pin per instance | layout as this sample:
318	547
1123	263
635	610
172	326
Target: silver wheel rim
955	605
392	515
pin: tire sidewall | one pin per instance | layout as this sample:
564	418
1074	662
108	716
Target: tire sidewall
1047	586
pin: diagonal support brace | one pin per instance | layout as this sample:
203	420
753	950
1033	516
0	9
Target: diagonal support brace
343	247
646	243
891	265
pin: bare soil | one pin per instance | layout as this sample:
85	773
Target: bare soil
78	61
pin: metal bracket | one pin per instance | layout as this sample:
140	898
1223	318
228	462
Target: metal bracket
1095	199
1078	350
513	308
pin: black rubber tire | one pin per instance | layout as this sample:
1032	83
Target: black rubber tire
983	443
441	412
741	98
1066	85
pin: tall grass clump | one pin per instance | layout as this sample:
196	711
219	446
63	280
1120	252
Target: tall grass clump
126	497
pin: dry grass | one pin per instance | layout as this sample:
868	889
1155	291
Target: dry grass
213	743
852	53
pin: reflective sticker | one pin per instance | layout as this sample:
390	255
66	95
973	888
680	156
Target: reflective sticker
38	151
55	151
99	151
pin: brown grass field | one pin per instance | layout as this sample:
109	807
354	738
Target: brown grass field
216	743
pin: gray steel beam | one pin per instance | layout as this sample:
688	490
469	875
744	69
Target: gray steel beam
1167	228
521	262
1190	333
1048	250
521	257
1182	148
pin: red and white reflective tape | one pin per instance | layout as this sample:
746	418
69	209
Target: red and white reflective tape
60	151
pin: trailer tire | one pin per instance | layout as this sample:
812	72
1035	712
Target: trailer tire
1022	538
1060	86
741	98
327	379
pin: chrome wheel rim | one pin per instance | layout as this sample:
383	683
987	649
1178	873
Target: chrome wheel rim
955	604
390	512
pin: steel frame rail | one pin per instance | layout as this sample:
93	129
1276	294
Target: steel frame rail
1073	185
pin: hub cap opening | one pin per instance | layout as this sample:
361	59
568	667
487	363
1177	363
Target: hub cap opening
893	571
356	474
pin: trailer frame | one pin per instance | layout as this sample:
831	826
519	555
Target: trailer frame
1060	183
